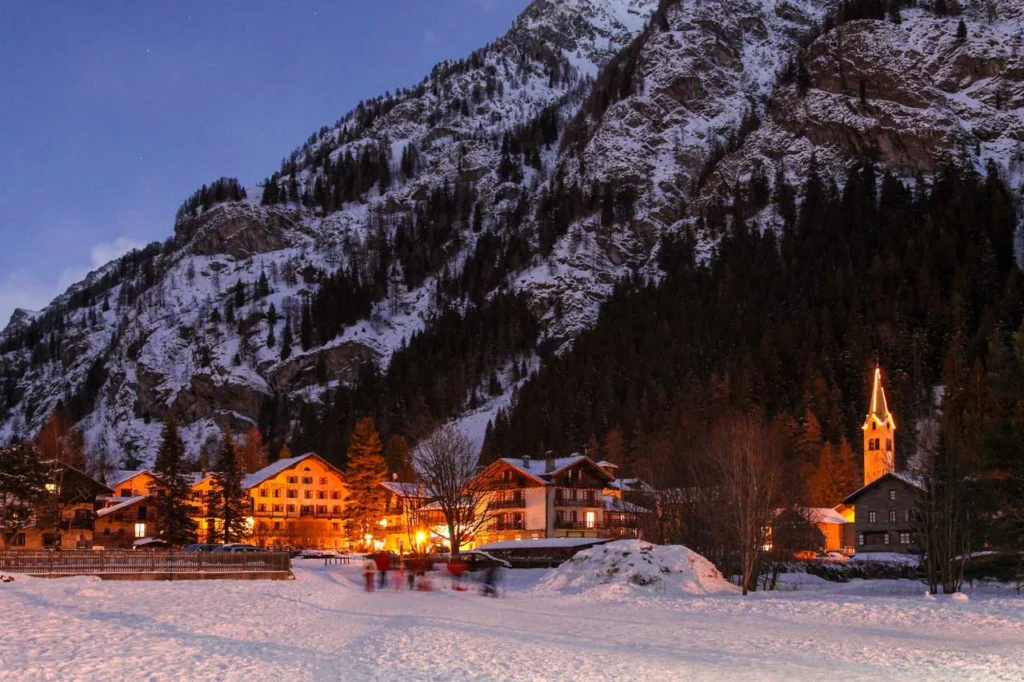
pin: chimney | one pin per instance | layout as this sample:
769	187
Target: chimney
526	461
549	461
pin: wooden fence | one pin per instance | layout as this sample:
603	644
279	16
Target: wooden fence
162	563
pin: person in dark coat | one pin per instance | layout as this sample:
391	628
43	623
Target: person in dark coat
383	565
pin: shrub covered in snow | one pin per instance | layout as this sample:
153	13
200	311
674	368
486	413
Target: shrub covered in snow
636	567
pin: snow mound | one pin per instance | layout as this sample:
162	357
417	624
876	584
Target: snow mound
634	567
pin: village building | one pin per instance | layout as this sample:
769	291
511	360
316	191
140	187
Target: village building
298	502
886	517
66	517
402	528
545	498
127	483
813	529
125	521
883	511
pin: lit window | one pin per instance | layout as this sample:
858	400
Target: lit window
892	516
140	530
860	539
591	519
872	517
906	515
892	494
886	538
904	538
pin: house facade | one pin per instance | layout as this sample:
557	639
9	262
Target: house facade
886	516
298	502
402	527
124	520
67	515
544	498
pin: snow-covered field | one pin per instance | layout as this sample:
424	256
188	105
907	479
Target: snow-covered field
322	626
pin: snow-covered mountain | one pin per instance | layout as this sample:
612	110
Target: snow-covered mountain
572	143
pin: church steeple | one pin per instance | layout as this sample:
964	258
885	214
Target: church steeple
879	434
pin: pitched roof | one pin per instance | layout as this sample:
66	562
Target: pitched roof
406	489
614	504
907	478
128	501
630	484
538	468
879	412
119	476
271	470
822	515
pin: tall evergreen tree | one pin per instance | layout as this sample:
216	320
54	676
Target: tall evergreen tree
286	339
365	472
230	499
172	486
23	479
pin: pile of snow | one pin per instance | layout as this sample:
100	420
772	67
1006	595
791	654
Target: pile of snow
632	567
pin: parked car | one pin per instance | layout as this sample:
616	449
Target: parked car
239	547
203	547
478	561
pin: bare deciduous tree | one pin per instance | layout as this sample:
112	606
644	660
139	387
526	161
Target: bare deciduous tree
447	465
741	466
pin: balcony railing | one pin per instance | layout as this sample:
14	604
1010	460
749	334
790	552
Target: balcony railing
509	525
514	503
575	525
580	502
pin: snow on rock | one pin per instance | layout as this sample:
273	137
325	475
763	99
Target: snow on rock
632	567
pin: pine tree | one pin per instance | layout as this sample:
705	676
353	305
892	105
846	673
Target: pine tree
231	503
252	453
271	338
961	31
284	453
23	479
365	472
172	486
306	328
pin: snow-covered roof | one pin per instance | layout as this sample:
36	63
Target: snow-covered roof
403	489
630	484
614	504
119	476
271	470
128	501
822	515
539	470
906	477
607	465
543	543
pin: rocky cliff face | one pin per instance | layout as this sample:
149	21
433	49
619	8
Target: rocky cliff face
677	104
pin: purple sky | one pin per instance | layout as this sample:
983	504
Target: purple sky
112	113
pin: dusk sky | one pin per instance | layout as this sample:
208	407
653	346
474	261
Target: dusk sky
112	113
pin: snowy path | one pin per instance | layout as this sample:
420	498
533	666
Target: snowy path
321	626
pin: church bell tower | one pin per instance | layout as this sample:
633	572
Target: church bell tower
879	435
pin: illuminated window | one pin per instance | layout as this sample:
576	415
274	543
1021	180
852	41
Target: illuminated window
886	538
140	530
906	515
591	519
860	539
904	538
892	516
872	517
892	494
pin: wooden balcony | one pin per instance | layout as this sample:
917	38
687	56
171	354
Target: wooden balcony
514	503
593	503
576	525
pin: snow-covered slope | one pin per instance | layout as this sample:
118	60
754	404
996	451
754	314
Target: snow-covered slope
635	103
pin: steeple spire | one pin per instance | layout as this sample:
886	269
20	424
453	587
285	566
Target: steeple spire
879	434
879	412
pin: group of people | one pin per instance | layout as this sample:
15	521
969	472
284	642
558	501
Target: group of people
412	572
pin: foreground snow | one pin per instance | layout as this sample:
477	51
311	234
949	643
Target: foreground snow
321	626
